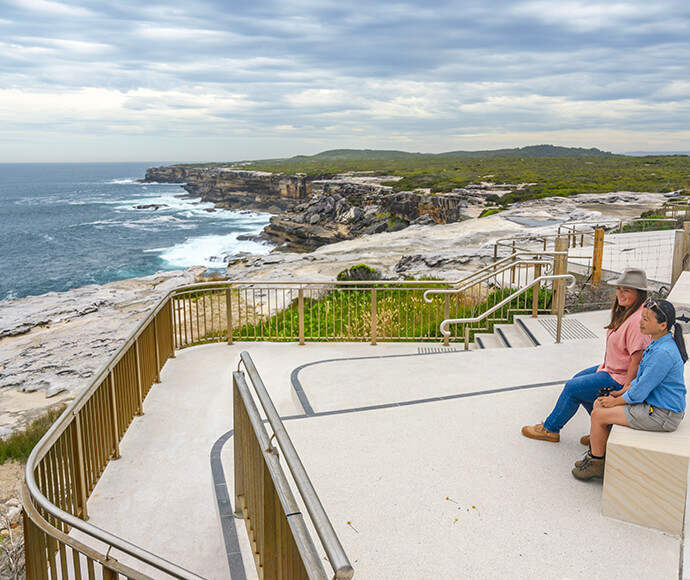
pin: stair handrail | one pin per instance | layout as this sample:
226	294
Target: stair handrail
537	281
468	281
322	524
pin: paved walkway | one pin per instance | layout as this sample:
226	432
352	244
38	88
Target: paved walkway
418	460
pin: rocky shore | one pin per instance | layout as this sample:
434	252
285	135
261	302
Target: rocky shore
316	212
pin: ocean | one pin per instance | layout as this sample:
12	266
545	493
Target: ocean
66	225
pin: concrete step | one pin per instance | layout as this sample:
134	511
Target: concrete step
489	340
513	336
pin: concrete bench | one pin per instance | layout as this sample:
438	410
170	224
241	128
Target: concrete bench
646	477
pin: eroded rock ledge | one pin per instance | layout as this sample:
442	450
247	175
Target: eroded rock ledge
313	213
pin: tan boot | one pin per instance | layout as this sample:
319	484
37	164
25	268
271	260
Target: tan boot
589	467
538	432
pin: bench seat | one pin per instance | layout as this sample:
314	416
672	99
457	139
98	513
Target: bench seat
646	477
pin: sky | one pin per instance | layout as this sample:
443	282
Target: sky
140	80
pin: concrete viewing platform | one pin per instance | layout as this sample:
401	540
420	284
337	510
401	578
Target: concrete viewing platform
414	449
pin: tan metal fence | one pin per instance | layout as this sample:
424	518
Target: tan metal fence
65	466
357	311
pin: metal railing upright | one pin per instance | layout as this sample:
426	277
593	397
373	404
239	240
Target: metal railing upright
252	502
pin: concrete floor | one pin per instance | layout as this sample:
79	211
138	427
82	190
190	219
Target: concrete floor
434	482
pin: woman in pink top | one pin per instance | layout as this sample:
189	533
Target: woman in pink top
625	345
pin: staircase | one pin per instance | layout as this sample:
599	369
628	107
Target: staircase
527	331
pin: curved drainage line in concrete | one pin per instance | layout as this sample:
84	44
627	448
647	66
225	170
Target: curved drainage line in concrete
227	517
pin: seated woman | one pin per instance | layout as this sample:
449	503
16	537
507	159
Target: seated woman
624	347
655	400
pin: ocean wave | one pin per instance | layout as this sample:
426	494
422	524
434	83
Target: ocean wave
212	251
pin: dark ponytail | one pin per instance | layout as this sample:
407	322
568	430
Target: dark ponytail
667	313
680	342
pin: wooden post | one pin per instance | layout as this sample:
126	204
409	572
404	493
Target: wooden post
678	255
446	316
300	314
598	255
140	389
686	236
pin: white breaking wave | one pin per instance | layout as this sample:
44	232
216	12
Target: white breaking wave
210	251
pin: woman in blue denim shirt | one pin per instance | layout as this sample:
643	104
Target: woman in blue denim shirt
655	400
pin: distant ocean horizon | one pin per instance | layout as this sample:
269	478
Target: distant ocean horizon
66	225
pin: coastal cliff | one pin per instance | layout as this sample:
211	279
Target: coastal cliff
315	212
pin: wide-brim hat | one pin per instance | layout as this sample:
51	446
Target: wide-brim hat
631	278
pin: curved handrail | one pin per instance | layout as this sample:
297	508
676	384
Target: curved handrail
548	267
329	539
444	325
60	425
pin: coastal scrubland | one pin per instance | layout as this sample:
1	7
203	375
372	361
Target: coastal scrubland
547	170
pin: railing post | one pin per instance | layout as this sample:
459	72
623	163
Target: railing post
495	251
79	467
241	457
157	378
686	249
535	291
560	266
172	327
140	390
374	313
113	409
300	310
598	255
228	313
467	337
446	316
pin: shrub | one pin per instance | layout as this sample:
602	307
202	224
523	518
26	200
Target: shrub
19	444
357	273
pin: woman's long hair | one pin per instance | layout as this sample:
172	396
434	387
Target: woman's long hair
619	314
669	317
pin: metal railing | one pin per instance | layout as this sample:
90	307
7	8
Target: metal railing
68	461
506	301
263	496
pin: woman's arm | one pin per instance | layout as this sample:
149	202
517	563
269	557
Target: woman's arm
635	359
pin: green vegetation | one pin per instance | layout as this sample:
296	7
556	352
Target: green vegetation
401	314
558	171
19	444
358	272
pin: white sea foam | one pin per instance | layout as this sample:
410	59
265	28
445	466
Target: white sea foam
210	251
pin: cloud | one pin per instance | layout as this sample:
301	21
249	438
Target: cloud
307	73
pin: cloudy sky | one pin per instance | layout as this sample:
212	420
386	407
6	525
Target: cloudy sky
127	80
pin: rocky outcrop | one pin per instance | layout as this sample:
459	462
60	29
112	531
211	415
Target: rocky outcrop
233	188
323	211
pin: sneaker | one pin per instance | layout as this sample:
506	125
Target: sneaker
538	432
589	467
584	440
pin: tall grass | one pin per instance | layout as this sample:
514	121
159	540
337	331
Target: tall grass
20	444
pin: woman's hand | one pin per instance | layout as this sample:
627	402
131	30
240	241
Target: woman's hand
619	392
610	401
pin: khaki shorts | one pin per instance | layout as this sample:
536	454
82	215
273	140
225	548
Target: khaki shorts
639	417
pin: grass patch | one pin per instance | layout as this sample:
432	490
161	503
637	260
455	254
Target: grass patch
19	445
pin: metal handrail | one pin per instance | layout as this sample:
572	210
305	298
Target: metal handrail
58	428
334	549
303	539
537	281
547	264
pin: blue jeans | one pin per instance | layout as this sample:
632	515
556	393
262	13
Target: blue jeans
582	390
